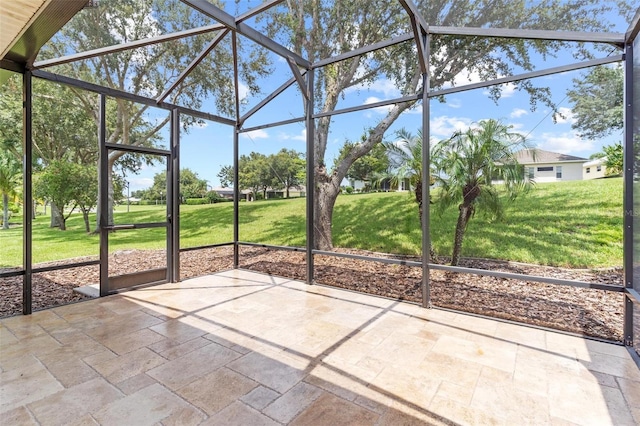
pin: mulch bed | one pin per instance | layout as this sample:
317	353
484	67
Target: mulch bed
579	310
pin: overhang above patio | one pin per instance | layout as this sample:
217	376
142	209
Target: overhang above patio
26	25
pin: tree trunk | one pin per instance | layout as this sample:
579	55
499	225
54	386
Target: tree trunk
326	193
85	216
418	193
56	217
63	223
109	208
461	227
5	211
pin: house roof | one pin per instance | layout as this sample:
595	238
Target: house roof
595	162
537	156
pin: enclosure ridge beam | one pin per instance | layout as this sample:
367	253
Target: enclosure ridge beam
363	50
229	21
577	36
192	65
257	10
634	28
298	76
525	76
409	98
126	46
414	14
115	93
268	99
419	26
274	124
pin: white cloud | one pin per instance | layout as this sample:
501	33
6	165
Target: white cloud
243	90
415	109
518	112
444	126
463	78
564	143
381	85
380	110
136	183
255	134
507	90
564	115
203	124
454	103
302	136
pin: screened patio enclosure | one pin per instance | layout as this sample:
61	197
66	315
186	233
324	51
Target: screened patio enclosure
233	53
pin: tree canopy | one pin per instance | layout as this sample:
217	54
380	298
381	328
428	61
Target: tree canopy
191	186
258	172
598	102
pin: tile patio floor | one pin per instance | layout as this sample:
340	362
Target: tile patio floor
243	348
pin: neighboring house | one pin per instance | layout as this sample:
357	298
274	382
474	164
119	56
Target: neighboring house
594	169
228	193
294	192
384	185
546	166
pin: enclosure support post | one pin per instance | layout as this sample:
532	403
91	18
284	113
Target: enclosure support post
310	126
173	236
628	201
426	180
27	211
236	149
103	209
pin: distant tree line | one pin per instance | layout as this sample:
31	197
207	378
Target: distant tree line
259	173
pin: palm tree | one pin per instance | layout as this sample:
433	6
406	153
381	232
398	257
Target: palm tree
466	166
405	156
10	176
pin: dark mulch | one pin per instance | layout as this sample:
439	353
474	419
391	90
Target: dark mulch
579	310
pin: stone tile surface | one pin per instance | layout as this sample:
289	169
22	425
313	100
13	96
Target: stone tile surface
67	405
241	348
148	406
216	390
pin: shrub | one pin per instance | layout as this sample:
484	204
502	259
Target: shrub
196	201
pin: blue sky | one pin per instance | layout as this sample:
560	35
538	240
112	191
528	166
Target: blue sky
205	149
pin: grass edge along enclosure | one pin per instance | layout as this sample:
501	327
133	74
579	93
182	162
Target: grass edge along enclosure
567	224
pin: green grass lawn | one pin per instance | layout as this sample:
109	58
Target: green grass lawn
575	224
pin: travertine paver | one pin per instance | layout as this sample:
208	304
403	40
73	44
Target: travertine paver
241	348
